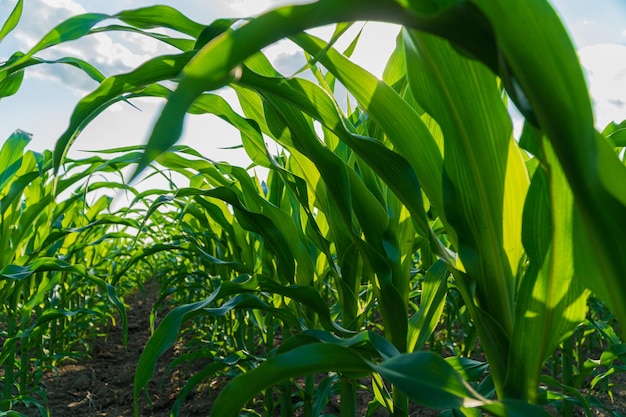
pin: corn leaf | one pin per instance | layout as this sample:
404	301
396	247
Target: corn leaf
12	20
550	302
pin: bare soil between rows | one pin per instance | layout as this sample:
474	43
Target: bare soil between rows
102	384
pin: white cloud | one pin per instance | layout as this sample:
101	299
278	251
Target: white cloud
249	7
69	5
254	7
605	66
40	16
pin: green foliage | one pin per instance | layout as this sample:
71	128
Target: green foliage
378	231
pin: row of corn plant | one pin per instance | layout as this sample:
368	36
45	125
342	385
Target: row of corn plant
46	289
423	179
63	247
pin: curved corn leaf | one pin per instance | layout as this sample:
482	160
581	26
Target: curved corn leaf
179	43
432	301
550	303
12	20
160	17
11	84
11	156
304	360
374	343
429	380
73	28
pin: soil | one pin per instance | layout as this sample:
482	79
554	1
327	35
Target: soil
102	384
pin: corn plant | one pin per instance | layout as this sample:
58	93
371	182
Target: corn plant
46	289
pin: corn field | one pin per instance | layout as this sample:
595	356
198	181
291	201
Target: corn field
408	239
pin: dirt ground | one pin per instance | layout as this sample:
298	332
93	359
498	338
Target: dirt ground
103	384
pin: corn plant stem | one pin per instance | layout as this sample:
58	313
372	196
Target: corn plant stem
250	338
10	362
268	400
285	386
400	403
309	390
285	399
348	397
567	372
579	337
554	365
24	371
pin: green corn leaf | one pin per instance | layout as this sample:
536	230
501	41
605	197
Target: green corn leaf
484	180
469	369
616	133
378	345
216	28
308	359
423	323
11	156
248	302
163	337
322	394
85	66
515	408
309	297
612	170
18	185
179	43
11	84
550	302
429	380
12	20
196	379
465	100
266	224
160	17
286	225
73	28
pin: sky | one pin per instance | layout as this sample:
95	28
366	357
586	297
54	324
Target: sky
49	93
